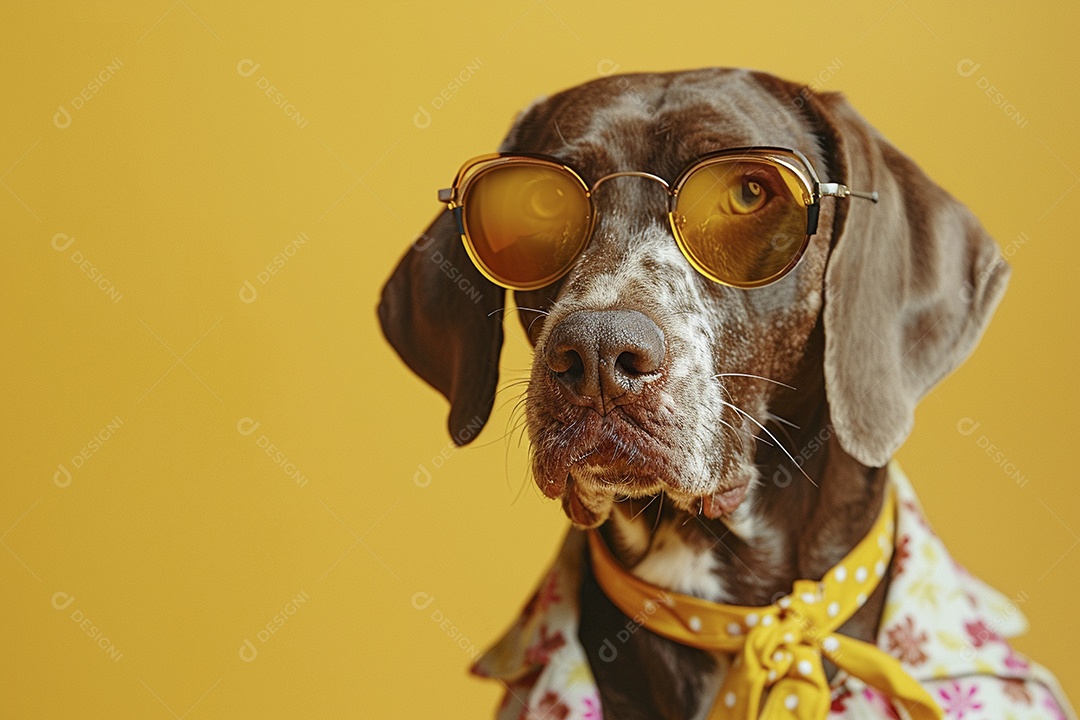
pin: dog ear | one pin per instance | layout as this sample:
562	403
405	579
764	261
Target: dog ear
445	321
910	285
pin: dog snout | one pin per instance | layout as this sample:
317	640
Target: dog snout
605	358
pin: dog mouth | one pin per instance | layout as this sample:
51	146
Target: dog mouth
596	461
589	506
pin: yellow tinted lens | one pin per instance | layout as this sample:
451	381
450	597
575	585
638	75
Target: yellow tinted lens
741	222
526	223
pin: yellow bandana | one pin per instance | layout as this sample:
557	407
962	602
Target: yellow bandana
779	647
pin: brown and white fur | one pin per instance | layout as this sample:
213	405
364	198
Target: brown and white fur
753	454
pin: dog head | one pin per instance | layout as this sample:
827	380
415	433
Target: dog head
648	377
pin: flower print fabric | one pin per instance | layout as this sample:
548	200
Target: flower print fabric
947	628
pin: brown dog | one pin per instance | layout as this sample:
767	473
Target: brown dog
763	419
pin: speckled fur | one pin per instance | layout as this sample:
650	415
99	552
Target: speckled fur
680	441
681	438
887	299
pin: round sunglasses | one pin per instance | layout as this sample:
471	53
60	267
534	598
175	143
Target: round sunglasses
742	217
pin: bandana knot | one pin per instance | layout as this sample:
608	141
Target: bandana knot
777	670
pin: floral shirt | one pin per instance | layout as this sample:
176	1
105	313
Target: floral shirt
945	626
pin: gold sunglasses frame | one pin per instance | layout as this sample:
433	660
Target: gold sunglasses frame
792	160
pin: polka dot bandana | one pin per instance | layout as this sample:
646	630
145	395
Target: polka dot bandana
777	671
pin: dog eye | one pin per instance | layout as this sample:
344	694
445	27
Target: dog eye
543	198
747	197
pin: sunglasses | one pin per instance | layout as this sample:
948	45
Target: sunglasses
742	217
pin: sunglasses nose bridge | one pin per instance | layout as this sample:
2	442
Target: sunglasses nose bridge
645	206
630	173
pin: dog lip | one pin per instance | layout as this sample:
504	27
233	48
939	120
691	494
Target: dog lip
724	502
585	507
576	510
599	447
555	488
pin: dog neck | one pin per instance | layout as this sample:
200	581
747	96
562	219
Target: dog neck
791	526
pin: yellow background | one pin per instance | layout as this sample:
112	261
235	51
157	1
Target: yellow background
179	180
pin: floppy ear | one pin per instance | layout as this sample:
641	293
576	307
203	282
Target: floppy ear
445	321
910	285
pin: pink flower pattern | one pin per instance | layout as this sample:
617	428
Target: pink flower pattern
980	633
550	707
543	666
959	699
1051	706
880	703
1015	661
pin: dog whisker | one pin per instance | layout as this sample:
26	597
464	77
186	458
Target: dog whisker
764	429
517	309
540	314
518	401
784	421
783	425
756	377
525	484
739	432
645	507
579	458
500	438
770	416
535	310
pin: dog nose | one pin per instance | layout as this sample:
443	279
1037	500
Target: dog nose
604	358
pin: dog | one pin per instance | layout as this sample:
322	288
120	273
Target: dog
711	434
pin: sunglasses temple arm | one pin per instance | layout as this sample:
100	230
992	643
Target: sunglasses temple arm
841	191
